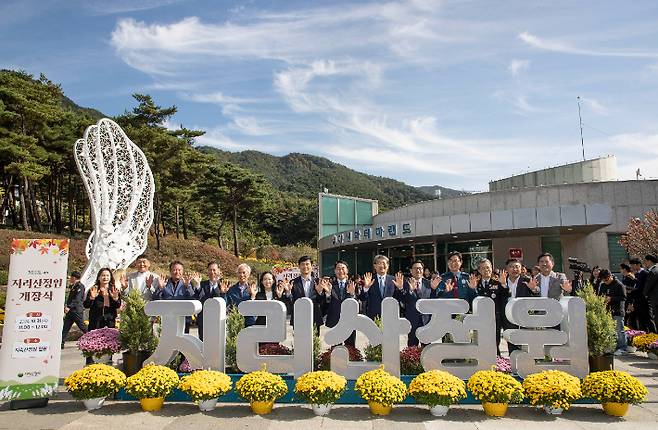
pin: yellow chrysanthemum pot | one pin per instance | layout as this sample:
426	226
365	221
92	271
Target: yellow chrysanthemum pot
152	404
615	409
262	408
494	409
377	408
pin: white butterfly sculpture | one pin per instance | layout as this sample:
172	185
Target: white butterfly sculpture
120	185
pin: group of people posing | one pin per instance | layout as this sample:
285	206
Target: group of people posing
103	299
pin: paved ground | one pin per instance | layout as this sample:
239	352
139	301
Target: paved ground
65	413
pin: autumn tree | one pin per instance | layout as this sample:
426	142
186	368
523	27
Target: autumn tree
641	237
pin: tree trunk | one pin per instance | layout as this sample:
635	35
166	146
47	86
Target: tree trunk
157	222
6	201
177	220
34	207
184	223
236	247
71	207
21	190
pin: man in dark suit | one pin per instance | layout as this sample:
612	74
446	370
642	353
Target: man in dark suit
241	291
212	287
178	287
456	284
342	288
650	290
641	303
518	286
74	310
408	293
376	288
306	286
487	286
615	300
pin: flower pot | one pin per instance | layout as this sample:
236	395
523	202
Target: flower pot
615	409
207	405
132	362
552	411
495	409
321	410
103	359
601	363
93	404
262	408
377	408
652	355
153	404
439	410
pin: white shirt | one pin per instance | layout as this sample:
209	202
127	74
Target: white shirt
512	286
307	286
268	295
544	282
137	281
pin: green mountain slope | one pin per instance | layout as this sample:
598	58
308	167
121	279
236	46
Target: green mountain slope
306	175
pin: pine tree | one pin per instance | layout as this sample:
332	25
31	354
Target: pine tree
135	331
234	323
601	331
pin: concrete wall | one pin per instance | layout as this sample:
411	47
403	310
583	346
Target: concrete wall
597	170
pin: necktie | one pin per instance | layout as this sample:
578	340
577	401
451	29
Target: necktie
341	287
418	289
382	284
455	290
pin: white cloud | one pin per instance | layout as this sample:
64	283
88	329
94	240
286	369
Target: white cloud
516	66
567	48
595	106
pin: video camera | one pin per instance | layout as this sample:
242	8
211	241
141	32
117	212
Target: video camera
578	266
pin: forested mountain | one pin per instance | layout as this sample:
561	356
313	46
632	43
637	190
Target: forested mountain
306	175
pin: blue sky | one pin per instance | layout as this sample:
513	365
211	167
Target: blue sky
452	93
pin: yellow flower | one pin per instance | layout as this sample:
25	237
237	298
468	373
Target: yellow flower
436	387
381	387
643	341
261	386
152	381
496	387
205	384
96	380
320	387
552	388
613	386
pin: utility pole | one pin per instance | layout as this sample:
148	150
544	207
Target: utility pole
582	142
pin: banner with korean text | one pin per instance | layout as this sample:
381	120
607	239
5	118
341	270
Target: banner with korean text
30	353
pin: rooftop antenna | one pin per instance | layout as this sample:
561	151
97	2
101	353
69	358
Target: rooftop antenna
582	142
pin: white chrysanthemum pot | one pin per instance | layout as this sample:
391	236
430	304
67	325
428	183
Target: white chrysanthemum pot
321	410
439	410
93	404
207	405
